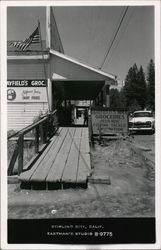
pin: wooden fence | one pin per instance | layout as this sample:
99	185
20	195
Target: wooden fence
43	130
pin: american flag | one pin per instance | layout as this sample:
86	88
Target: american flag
23	45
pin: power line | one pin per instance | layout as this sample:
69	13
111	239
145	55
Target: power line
95	16
107	53
121	35
119	19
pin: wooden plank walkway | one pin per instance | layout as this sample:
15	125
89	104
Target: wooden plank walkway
65	163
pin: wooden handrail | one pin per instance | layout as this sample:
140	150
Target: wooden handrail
33	125
43	130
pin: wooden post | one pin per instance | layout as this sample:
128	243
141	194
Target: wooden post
42	133
45	129
48	27
56	122
107	96
37	140
99	99
49	122
13	160
53	123
102	98
90	129
100	134
20	153
50	93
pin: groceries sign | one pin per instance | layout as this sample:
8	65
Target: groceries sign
26	91
109	122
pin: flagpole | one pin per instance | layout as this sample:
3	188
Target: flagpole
44	65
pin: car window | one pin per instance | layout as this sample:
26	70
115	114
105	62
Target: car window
142	114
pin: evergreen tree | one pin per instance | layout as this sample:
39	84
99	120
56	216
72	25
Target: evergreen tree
134	106
135	88
114	99
141	88
130	85
151	85
122	99
117	99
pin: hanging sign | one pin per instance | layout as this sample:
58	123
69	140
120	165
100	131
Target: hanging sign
26	91
109	122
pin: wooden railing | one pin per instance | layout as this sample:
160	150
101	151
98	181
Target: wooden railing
90	129
44	129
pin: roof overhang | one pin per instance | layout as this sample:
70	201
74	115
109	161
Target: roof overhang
77	80
79	90
83	65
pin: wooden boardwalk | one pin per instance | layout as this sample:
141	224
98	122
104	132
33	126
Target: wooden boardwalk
65	163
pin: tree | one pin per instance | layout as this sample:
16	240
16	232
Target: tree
151	85
130	85
135	88
114	99
141	88
122	99
117	99
134	106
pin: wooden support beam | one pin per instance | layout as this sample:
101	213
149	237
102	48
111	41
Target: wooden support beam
37	140
107	96
13	160
20	153
90	129
42	134
45	130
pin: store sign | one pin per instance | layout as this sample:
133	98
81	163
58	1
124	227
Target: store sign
109	121
26	83
26	91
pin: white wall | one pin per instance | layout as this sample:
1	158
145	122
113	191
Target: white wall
25	69
21	115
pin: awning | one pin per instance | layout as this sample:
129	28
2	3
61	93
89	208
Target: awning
79	90
77	80
71	68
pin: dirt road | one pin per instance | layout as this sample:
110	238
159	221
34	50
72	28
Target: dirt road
130	194
147	141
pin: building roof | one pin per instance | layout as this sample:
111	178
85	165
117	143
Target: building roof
33	49
67	58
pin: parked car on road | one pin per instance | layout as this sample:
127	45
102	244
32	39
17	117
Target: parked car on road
142	120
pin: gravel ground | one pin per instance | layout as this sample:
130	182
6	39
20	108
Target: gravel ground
130	194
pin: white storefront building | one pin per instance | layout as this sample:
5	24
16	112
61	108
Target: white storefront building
33	74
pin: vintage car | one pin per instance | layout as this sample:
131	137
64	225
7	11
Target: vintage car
142	121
